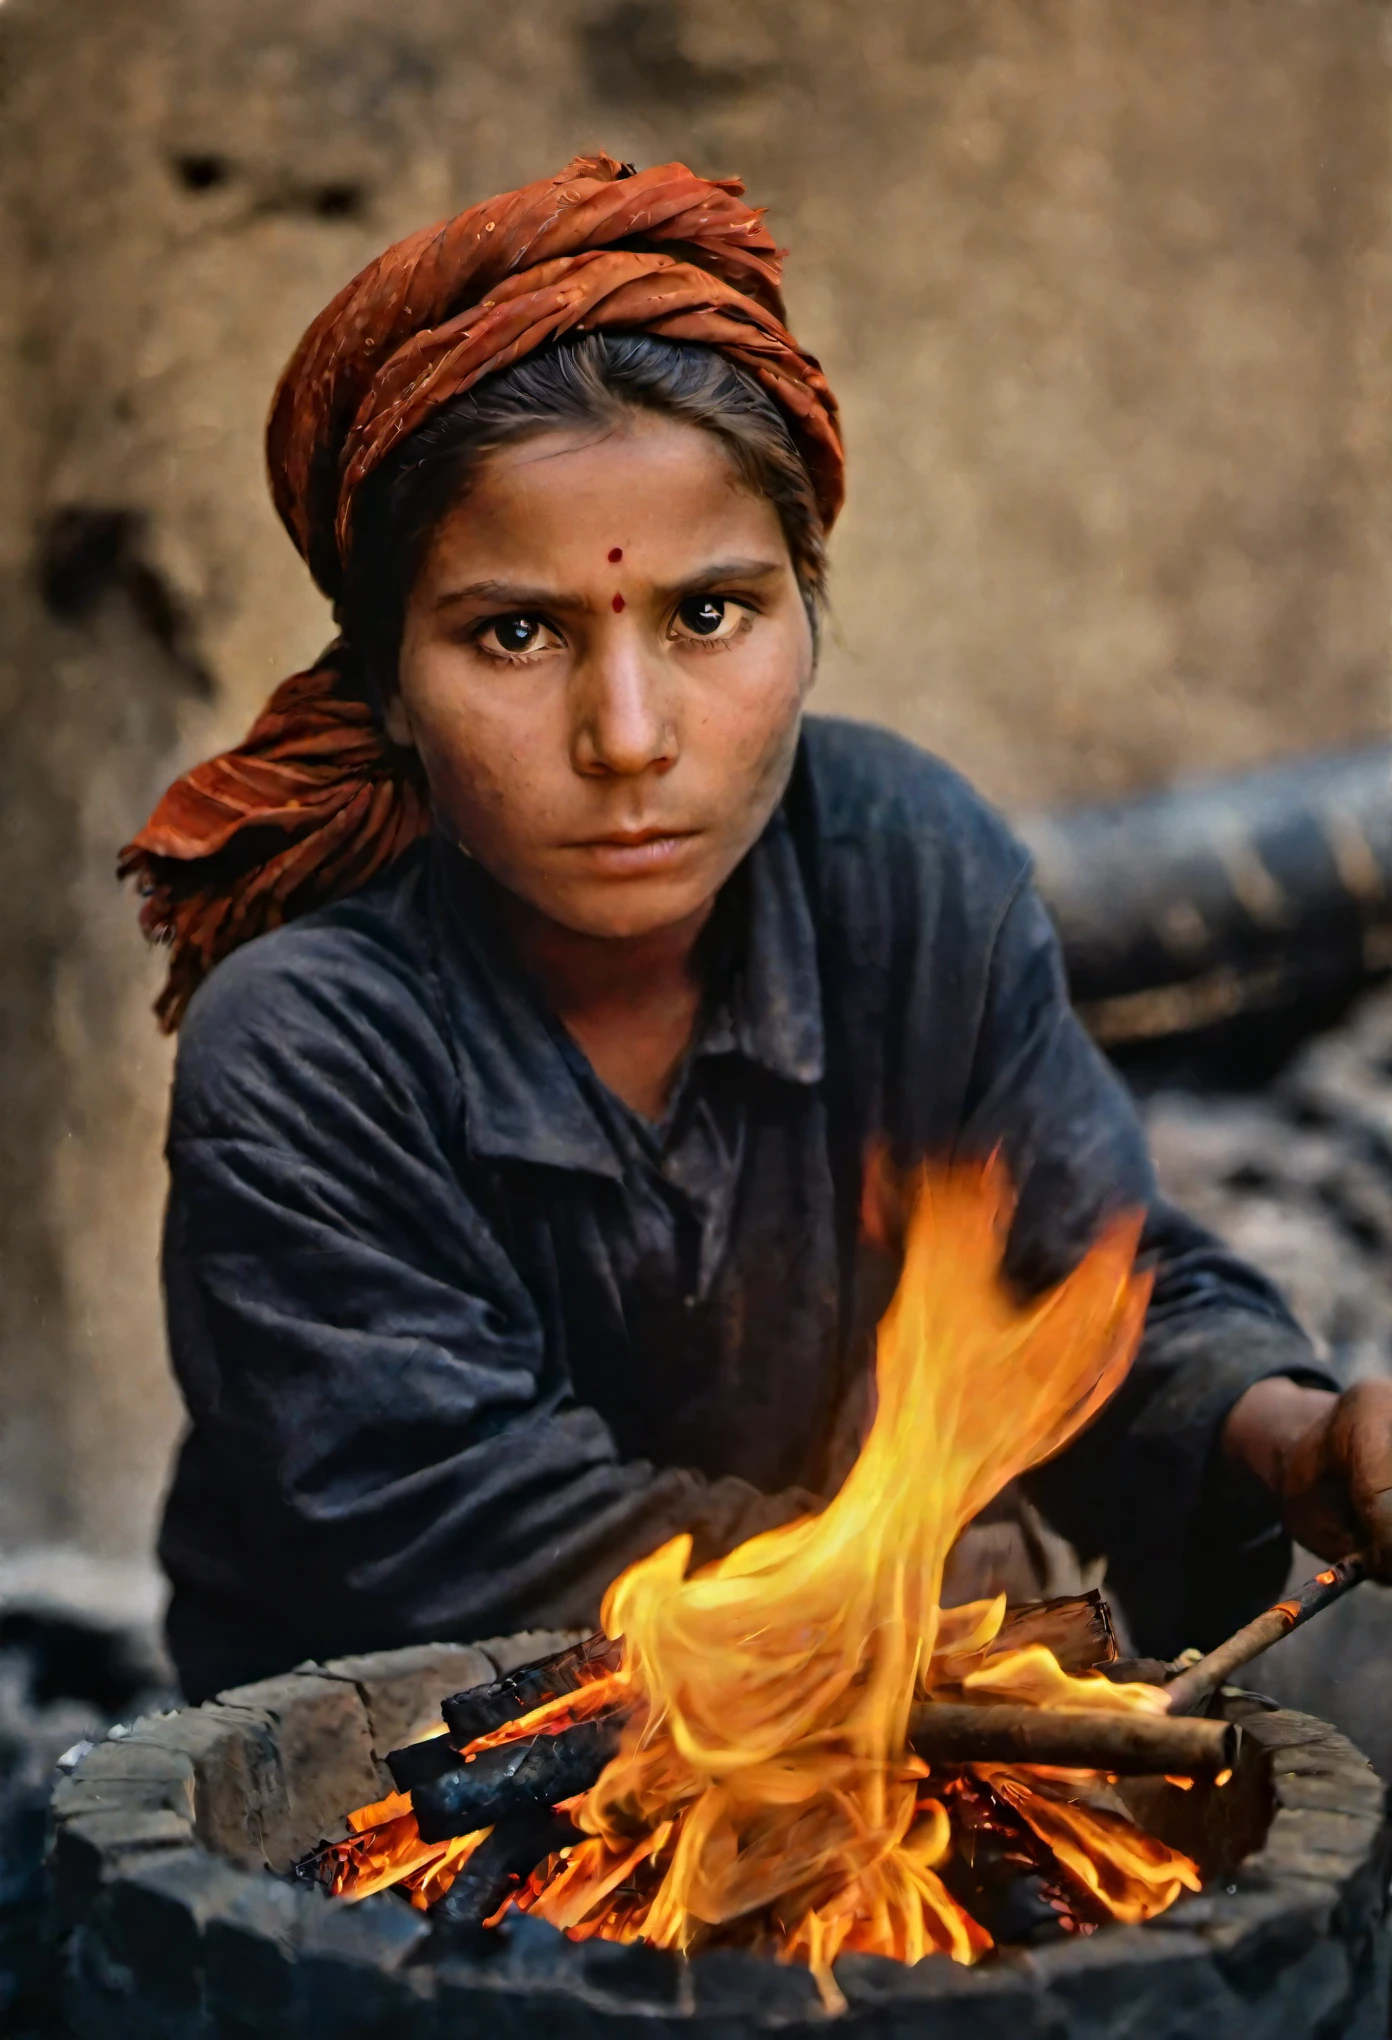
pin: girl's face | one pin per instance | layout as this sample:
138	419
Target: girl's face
603	666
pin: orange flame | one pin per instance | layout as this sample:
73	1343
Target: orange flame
385	1850
764	1791
766	1786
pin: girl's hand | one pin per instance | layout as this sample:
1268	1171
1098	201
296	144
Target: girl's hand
1329	1460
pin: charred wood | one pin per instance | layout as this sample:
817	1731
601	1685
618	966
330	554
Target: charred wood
478	1710
950	1732
1003	1890
417	1763
1077	1628
1006	1878
509	1854
534	1771
481	1709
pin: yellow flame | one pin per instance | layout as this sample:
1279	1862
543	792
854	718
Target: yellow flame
778	1681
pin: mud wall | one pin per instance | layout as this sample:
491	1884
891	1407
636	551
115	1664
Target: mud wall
1105	291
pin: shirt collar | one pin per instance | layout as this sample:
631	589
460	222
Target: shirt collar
524	1097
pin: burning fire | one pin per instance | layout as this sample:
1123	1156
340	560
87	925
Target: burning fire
764	1793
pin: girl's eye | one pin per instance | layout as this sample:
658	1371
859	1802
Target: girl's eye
711	617
512	636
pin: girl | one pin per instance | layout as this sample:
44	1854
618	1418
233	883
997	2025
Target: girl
548	978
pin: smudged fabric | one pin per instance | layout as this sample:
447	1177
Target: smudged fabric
316	801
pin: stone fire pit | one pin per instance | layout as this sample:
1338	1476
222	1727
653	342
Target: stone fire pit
165	1838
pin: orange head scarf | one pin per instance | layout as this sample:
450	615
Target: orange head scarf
315	801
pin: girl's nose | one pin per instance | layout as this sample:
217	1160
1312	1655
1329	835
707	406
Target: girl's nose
623	710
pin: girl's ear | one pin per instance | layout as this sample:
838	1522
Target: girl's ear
397	722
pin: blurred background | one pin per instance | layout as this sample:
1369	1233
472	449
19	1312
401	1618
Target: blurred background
1104	289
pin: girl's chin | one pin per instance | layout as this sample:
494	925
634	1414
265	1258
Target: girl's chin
620	912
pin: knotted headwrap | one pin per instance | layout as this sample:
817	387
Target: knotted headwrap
316	801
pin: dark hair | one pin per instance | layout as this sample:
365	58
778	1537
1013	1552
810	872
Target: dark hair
591	380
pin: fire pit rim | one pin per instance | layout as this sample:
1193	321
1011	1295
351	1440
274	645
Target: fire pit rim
162	1837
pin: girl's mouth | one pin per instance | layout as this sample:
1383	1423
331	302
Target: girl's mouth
626	853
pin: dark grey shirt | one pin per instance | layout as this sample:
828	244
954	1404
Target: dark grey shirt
461	1335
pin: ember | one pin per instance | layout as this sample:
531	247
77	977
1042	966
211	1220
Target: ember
794	1753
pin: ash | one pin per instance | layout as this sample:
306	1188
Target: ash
67	1678
1298	1178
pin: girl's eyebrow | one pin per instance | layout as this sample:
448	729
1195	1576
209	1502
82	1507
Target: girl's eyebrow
725	570
509	595
513	595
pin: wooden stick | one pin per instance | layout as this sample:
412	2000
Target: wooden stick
949	1732
1194	1685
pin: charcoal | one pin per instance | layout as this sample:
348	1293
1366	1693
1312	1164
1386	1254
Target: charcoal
1012	1903
498	1783
512	1851
418	1763
481	1709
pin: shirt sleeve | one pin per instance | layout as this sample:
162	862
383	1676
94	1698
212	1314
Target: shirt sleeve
381	1451
1193	1546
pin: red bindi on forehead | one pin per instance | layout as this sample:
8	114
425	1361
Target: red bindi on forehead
615	555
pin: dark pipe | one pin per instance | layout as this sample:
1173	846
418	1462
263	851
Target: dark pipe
1249	894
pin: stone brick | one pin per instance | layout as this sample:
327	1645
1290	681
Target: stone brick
241	1810
1315	1844
1309	1761
1285	1730
77	1796
126	1758
537	1952
101	1999
252	1946
1126	1983
508	1652
730	1980
540	1983
324	1750
402	1689
350	1979
1312	1994
1253	1928
156	1915
478	1998
468	2000
1320	1791
899	2001
92	1848
633	1975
